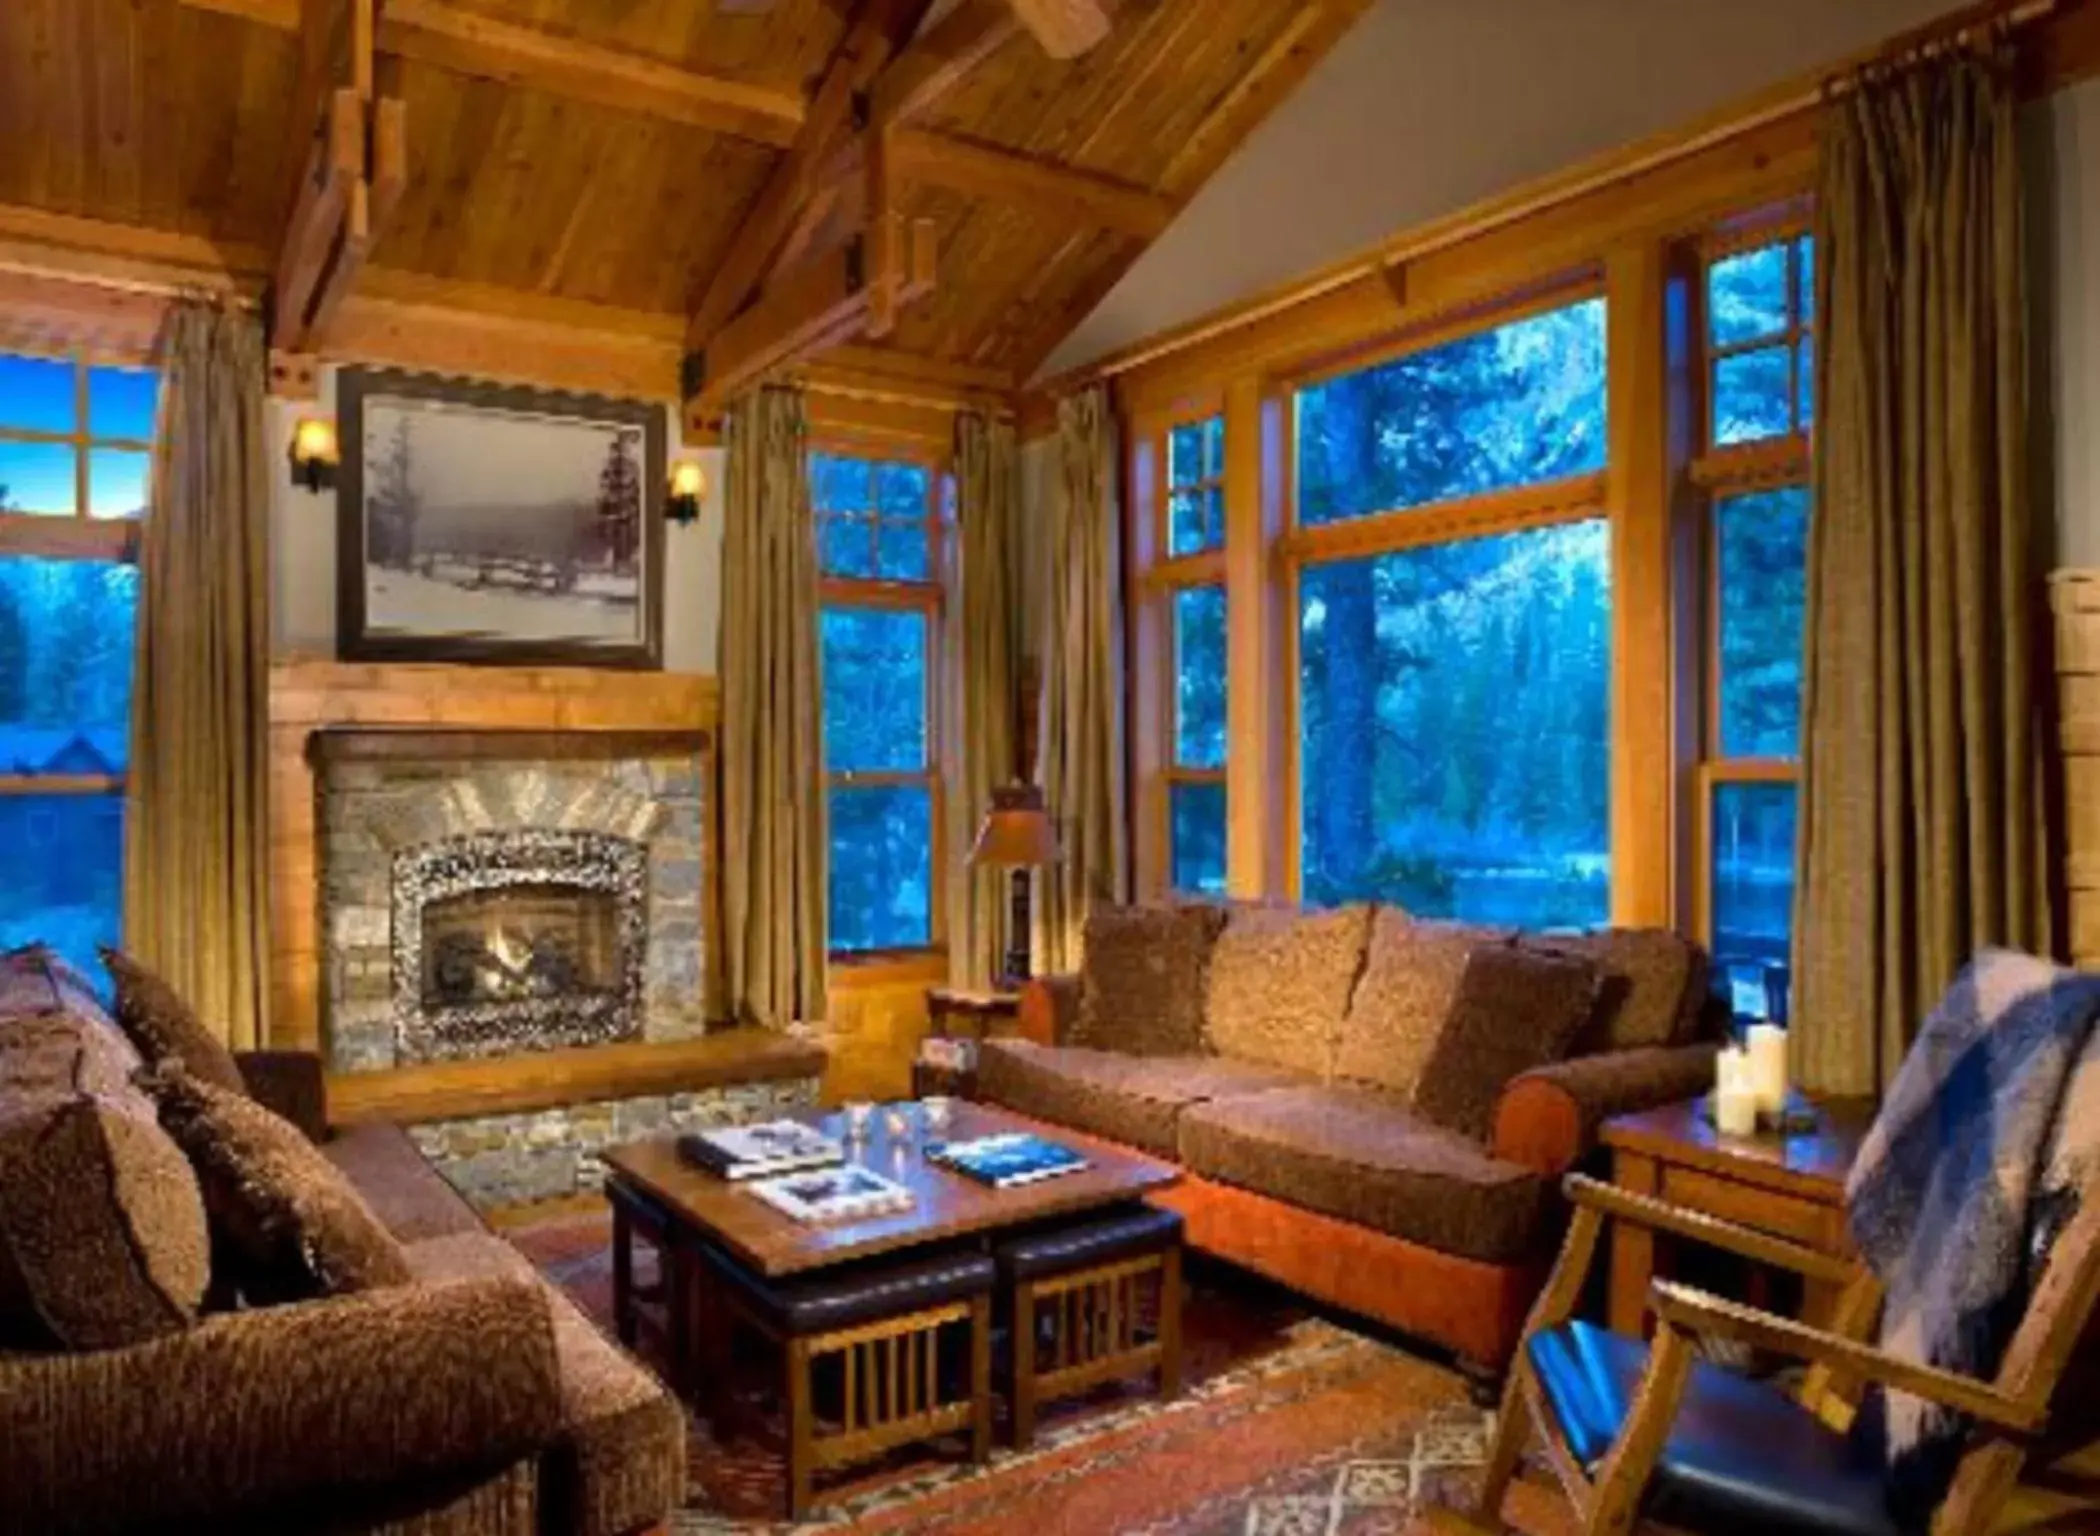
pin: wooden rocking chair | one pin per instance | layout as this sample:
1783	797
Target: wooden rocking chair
1648	1433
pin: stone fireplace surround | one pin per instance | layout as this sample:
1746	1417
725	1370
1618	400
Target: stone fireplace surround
406	814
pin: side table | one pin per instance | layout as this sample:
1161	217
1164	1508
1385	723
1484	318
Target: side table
966	1018
1791	1187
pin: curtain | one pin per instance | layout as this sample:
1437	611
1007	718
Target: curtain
774	837
1082	704
1922	830
984	662
196	812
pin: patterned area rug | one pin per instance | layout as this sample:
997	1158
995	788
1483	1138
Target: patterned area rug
1291	1426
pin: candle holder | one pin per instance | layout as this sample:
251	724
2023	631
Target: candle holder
1796	1117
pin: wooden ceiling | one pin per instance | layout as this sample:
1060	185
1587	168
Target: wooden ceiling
617	152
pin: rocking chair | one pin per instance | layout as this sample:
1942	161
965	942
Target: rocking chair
1649	1433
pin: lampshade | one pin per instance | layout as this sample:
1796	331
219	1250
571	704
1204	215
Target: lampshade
1017	832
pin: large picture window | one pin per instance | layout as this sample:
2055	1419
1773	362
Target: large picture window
879	535
1760	356
1196	779
75	442
1454	723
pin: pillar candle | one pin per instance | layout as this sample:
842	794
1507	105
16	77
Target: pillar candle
1768	1067
1735	1111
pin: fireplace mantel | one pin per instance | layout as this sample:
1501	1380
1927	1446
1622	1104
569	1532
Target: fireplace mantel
423	744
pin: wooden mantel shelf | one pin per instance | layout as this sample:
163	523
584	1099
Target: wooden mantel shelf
452	1090
416	743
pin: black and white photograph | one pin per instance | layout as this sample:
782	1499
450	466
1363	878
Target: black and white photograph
481	523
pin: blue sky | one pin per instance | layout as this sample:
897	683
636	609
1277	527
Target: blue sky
37	395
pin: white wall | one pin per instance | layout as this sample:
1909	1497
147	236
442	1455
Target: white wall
1428	106
2063	156
302	555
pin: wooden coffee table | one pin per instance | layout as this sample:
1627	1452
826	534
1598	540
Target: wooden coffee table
948	1205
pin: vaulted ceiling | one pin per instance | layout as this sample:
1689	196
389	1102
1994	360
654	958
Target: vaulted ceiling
613	151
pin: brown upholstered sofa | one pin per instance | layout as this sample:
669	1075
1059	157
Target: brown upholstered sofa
1373	1110
474	1399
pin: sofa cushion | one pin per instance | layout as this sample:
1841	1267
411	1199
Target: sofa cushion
1129	1099
1359	1155
1516	1009
1141	983
1411	973
1652	984
1279	985
620	1461
409	1196
102	1231
288	1224
161	1023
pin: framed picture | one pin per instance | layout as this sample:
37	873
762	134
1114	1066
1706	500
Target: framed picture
481	523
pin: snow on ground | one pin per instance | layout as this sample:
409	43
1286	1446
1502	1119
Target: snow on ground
403	602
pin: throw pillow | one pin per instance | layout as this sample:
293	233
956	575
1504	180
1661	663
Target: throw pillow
1141	984
1516	1009
165	1028
1279	985
102	1230
286	1221
1411	975
38	979
1651	985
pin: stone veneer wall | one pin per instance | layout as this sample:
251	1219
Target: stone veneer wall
367	808
499	1160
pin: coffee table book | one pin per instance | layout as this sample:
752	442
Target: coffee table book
1007	1160
741	1152
851	1193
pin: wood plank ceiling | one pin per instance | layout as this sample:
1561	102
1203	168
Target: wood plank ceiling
611	151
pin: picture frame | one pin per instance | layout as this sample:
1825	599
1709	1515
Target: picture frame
497	525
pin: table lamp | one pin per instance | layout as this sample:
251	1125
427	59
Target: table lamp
1017	835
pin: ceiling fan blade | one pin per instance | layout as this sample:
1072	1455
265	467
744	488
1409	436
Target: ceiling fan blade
1065	28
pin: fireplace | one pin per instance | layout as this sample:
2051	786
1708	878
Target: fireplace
531	939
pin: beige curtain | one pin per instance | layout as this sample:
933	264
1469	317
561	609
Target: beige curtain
774	852
1921	833
196	823
1082	703
984	654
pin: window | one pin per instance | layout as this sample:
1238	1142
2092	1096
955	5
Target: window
1760	305
1512	406
75	440
1196	777
1760	361
1196	487
879	533
1453	728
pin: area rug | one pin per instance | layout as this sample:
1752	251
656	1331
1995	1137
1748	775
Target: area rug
1292	1425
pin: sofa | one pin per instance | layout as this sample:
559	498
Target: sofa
1372	1109
467	1396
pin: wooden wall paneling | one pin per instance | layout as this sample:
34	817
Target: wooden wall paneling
876	1019
1640	483
2075	597
309	693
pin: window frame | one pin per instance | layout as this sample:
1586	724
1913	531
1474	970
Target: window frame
56	536
1720	473
1156	581
928	599
1577	498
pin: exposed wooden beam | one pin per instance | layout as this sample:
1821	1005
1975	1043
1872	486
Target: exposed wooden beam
1024	181
824	302
435	32
124	256
940	58
1065	28
281	14
878	30
331	190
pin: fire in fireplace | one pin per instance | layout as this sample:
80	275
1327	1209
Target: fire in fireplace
529	938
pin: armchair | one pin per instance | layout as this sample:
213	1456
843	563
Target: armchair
1639	1431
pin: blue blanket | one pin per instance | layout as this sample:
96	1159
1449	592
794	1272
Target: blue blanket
1978	1158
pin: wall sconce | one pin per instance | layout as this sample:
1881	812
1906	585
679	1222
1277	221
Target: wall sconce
688	485
315	454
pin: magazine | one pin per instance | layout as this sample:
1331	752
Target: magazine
1006	1160
851	1193
760	1151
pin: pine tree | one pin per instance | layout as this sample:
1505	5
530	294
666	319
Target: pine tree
392	503
620	502
14	651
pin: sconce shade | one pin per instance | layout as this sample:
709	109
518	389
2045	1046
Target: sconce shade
315	453
1017	832
688	485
